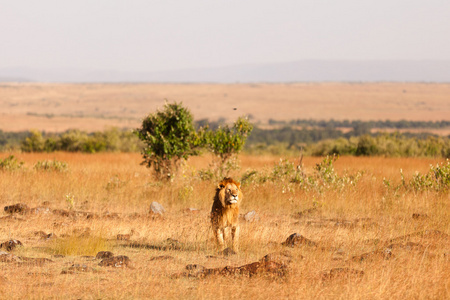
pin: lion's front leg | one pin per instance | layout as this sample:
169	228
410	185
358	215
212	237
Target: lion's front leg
235	237
218	234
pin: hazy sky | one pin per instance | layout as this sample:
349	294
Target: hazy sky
144	35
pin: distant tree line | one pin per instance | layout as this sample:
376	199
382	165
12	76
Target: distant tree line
323	138
113	140
401	124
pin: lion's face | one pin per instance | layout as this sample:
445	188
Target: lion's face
229	192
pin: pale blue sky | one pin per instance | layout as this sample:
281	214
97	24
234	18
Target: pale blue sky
138	35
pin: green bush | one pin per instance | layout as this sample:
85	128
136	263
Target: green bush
169	136
110	140
291	176
10	163
34	143
226	142
437	179
51	165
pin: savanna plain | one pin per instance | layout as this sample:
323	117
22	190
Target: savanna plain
364	233
365	227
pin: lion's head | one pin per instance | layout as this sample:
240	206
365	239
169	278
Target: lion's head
229	192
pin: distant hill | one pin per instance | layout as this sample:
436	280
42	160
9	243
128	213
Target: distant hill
298	71
13	79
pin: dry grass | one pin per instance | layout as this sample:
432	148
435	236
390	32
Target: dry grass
118	191
90	107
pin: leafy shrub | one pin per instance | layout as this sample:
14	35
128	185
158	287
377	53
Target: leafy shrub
226	142
51	165
112	139
290	175
437	179
169	136
10	163
34	143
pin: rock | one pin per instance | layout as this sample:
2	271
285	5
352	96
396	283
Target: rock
342	273
227	252
19	208
282	257
267	266
156	208
104	254
296	240
92	216
10	245
120	261
419	216
40	210
251	216
50	236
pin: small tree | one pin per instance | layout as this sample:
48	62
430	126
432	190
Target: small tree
34	143
169	136
226	142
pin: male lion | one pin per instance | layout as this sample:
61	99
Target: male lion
225	212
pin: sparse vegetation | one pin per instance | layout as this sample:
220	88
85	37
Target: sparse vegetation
350	221
286	141
360	214
10	163
225	143
51	165
436	179
111	140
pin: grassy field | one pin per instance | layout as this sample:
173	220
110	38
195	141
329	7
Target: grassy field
106	195
92	107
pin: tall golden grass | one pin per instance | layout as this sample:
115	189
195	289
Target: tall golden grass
108	184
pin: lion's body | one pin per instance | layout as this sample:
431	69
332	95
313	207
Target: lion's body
225	212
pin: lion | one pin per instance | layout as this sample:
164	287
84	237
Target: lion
225	212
